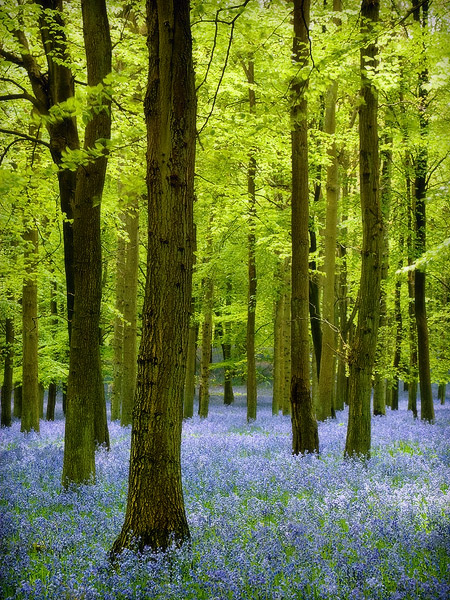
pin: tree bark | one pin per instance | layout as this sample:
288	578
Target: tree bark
420	192
30	381
305	436
362	353
129	367
189	384
252	280
86	408
8	371
51	398
117	343
326	391
207	330
155	515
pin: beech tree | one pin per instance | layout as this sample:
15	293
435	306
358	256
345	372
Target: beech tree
86	408
305	436
155	514
362	352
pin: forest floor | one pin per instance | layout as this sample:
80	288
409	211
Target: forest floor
264	524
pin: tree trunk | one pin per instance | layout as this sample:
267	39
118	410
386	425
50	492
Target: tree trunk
362	353
420	192
63	133
228	395
30	381
252	398
86	407
305	437
277	369
393	398
117	343
8	371
207	330
51	399
441	392
326	390
380	383
189	384
17	405
342	379
155	515
130	310
286	348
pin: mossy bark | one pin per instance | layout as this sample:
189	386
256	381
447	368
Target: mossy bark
86	408
362	353
155	515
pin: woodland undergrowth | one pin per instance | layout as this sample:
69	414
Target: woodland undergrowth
264	524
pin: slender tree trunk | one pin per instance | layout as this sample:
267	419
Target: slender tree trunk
362	353
286	348
8	371
51	399
277	393
325	404
420	192
342	379
207	327
207	331
17	405
393	399
86	407
30	381
189	384
305	437
252	280
129	367
155	515
442	392
117	344
228	394
380	387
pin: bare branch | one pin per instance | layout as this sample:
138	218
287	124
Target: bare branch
24	136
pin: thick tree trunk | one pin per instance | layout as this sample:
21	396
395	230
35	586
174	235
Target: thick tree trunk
362	353
8	371
130	310
155	515
86	408
30	381
305	436
63	133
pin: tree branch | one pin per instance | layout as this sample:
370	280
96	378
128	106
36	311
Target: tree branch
24	136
